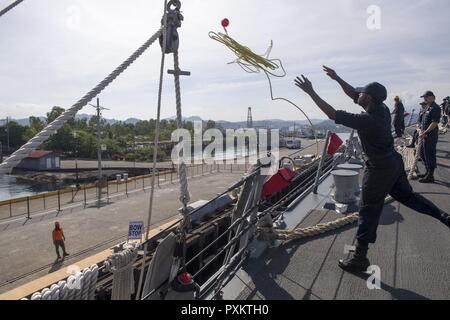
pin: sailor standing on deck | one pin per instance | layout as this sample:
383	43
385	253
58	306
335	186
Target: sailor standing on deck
445	111
384	173
429	133
399	117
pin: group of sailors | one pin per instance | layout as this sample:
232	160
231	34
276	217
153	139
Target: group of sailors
427	129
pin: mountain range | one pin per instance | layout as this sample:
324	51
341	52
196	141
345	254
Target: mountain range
270	123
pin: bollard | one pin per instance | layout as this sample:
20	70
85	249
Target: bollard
44	199
10	208
118	178
356	168
345	181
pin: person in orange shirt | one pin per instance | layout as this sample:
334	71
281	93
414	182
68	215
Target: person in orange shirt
58	240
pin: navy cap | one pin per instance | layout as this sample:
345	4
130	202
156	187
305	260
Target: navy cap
428	94
375	90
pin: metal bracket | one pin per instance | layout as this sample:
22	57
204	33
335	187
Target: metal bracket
180	73
174	18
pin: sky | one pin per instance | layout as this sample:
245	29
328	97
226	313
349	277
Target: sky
52	52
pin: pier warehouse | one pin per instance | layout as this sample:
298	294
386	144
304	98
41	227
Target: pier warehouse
40	160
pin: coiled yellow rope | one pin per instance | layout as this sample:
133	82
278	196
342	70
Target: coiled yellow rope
253	63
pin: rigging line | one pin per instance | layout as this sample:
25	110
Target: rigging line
155	150
296	106
10	7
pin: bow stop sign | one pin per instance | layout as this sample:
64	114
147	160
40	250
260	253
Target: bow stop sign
135	229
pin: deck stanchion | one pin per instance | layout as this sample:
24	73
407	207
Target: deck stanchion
59	201
28	208
107	191
84	192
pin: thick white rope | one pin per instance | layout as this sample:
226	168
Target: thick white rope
80	286
52	128
121	265
416	158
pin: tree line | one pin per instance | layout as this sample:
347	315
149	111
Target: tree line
77	138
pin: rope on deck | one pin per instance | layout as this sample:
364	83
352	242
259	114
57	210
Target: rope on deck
121	265
79	286
270	233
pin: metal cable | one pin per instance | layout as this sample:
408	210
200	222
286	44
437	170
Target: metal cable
52	128
10	7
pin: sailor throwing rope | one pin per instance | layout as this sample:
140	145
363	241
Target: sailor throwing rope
384	173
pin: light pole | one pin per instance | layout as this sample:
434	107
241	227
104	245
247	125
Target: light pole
99	150
75	136
7	134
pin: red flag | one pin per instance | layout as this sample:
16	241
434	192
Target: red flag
334	144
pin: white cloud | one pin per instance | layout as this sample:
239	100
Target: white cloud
45	62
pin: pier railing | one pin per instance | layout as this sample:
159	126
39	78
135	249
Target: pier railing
87	195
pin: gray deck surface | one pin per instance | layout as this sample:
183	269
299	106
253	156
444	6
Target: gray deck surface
412	252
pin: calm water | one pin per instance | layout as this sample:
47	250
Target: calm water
10	187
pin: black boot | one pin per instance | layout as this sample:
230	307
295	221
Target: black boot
429	178
423	175
358	262
445	219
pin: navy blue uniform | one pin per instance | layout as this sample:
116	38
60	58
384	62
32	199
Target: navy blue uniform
399	119
428	154
384	173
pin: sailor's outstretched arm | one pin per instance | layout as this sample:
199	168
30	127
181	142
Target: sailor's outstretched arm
306	85
348	89
354	121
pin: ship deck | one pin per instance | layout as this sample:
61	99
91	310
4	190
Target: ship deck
412	253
